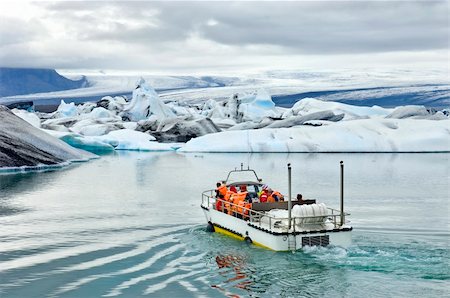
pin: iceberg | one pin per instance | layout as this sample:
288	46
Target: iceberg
29	117
312	105
408	112
364	135
113	104
146	102
260	107
67	109
25	146
123	139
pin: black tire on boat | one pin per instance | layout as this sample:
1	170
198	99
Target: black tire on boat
210	228
248	240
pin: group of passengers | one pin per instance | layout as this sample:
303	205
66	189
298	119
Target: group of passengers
238	202
268	195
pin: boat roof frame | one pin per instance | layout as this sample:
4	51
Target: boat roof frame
259	180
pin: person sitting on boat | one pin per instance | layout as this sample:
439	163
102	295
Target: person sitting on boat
264	195
220	203
228	199
270	198
221	189
263	187
238	201
278	196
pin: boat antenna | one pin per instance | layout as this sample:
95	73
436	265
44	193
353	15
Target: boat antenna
342	194
289	196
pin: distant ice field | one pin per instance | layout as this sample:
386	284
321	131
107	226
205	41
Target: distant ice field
383	88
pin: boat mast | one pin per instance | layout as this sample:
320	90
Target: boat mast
289	197
342	194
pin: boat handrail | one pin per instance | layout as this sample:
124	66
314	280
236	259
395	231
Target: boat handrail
253	214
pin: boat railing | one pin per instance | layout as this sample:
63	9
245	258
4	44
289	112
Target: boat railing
255	217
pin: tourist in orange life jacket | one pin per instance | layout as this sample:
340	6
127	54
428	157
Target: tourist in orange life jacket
278	196
270	198
238	202
221	189
230	192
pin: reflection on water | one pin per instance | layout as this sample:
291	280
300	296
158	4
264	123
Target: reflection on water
129	225
232	268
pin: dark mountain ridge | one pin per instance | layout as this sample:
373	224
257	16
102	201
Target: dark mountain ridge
19	81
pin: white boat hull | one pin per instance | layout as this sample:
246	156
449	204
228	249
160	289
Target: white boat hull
278	241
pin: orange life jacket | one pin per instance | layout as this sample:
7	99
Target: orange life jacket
278	195
228	195
270	199
238	200
222	190
248	206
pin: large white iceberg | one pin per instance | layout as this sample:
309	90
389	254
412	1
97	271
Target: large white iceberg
146	102
259	108
312	105
365	135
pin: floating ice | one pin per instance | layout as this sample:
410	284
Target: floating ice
408	111
67	109
312	105
146	102
365	135
260	107
23	145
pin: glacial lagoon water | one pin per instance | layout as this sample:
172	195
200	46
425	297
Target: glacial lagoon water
129	225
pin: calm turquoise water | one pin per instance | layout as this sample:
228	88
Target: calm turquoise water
130	225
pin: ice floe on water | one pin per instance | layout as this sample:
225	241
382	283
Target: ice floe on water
244	122
365	135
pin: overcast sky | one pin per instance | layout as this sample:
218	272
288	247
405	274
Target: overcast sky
215	37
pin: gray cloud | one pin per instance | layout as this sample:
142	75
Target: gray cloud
110	30
308	27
